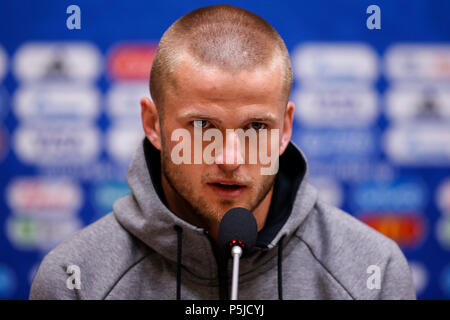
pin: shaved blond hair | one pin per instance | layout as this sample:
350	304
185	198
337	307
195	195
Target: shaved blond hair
223	36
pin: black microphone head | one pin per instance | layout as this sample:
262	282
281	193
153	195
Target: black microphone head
238	227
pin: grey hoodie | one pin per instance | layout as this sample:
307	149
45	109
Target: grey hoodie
307	250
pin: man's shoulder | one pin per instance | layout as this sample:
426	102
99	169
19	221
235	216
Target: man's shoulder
345	231
102	237
101	251
350	251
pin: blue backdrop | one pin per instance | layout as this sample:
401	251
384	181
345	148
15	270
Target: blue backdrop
372	116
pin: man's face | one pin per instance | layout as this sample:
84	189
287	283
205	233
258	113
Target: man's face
209	98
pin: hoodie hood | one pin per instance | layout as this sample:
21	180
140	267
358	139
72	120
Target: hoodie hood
308	249
145	215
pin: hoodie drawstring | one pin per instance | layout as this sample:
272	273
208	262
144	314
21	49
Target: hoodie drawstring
280	269
179	231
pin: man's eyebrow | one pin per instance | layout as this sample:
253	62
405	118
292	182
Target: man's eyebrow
267	117
198	115
263	118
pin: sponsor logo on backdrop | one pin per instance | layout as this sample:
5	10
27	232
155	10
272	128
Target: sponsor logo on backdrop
397	195
328	61
352	170
56	143
122	141
418	144
8	281
28	233
442	227
419	274
418	62
330	190
95	171
107	192
336	106
44	211
443	232
51	197
57	101
36	61
407	229
393	207
418	103
336	143
131	61
3	63
123	101
22	231
443	197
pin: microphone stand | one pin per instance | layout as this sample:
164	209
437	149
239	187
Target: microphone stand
236	253
237	231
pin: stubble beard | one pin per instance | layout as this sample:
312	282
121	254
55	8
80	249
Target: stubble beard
206	210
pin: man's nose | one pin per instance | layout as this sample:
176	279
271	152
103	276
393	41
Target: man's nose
230	157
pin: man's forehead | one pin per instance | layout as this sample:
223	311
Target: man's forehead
192	80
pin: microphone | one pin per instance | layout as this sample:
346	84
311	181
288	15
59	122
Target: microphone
237	235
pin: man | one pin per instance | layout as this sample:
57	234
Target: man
217	70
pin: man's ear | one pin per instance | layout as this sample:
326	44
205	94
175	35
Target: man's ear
150	122
287	126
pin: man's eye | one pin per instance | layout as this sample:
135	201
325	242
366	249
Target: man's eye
258	125
201	124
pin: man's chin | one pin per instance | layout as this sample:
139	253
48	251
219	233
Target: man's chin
220	207
226	205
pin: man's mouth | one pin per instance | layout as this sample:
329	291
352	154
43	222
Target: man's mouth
227	189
